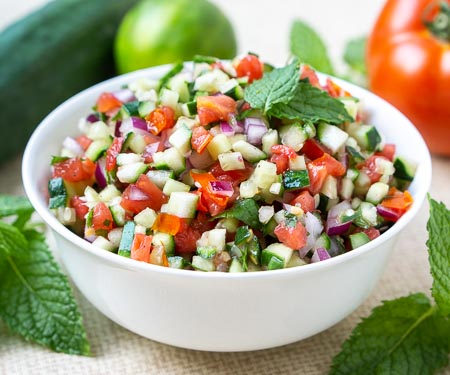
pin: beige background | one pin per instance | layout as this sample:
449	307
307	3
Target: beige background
262	27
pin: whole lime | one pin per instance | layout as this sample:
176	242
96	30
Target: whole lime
156	32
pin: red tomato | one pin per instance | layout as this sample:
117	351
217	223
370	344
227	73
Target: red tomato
311	75
141	195
167	223
102	220
200	139
107	102
305	200
236	175
334	167
141	247
160	118
369	167
112	152
74	169
215	108
250	66
281	161
334	89
154	193
317	175
293	237
407	50
314	149
80	207
284	150
397	200
84	141
186	238
388	151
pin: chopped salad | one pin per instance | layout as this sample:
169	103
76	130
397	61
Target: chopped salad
229	166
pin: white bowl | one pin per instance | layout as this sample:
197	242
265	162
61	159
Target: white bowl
219	311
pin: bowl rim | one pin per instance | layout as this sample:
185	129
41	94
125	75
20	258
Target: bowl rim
130	264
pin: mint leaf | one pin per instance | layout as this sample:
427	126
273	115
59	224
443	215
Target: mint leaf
245	210
277	86
355	54
12	241
438	244
312	104
36	300
14	205
403	336
307	45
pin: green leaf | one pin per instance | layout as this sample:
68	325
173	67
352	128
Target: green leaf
277	86
245	210
14	205
36	300
403	336
176	68
12	241
355	54
438	244
307	45
312	104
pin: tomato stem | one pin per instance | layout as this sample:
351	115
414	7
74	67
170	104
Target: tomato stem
437	19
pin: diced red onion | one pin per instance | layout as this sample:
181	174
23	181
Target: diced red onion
255	133
334	225
92	118
226	128
253	121
201	161
388	213
237	126
314	228
150	150
124	95
134	124
100	175
343	157
89	234
319	255
136	194
224	188
73	146
117	128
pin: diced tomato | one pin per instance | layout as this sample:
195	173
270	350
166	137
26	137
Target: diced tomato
74	169
102	220
284	150
281	161
372	233
313	149
388	151
369	167
250	66
112	152
84	141
311	75
152	191
216	203
186	238
200	139
334	89
167	223
160	118
236	175
141	195
141	247
398	201
81	209
334	167
305	200
215	108
291	236
107	102
317	175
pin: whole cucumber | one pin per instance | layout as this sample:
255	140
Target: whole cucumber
48	56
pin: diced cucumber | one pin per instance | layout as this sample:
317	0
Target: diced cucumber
233	89
179	84
265	174
276	256
98	131
202	264
91	195
351	106
218	145
367	137
206	252
182	204
57	193
331	136
165	240
128	158
297	163
160	176
377	192
329	187
114	236
108	193
355	156
384	166
170	159
293	136
172	185
127	239
176	262
230	161
215	238
369	213
189	109
405	169
146	107
296	261
249	152
129	109
181	139
235	266
362	184
248	189
118	213
323	242
293	180
276	188
103	243
352	174
269	139
346	189
137	143
211	81
65	215
185	121
159	160
97	148
130	173
169	98
146	217
358	239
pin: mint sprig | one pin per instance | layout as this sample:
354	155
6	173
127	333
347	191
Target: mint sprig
408	335
35	297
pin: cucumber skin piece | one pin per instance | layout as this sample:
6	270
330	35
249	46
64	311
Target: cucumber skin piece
50	55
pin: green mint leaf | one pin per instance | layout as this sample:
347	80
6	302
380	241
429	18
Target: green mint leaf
307	45
402	336
355	54
12	241
245	210
312	104
36	300
14	205
438	244
277	86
